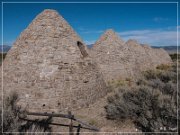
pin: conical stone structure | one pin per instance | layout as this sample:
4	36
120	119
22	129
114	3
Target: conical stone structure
157	56
112	56
49	67
163	56
120	60
141	60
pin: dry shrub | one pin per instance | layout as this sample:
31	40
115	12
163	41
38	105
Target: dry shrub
13	123
163	67
120	83
150	74
164	76
36	126
175	56
151	104
167	76
149	109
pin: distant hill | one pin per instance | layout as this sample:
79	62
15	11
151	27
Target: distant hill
169	49
90	46
4	48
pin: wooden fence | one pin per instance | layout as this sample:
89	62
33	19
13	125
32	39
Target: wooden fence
81	124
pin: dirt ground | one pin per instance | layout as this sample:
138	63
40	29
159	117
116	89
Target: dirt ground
95	115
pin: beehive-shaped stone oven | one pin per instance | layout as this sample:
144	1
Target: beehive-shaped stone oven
49	67
113	57
119	60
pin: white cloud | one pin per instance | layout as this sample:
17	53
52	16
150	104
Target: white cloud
134	32
153	37
89	42
160	37
160	19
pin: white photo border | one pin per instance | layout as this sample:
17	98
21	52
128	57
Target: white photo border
148	2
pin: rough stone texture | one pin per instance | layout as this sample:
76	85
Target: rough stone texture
112	56
47	68
51	68
157	56
140	59
118	59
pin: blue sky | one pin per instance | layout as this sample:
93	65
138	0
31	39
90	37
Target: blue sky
154	24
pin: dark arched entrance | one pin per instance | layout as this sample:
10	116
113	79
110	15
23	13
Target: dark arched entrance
82	49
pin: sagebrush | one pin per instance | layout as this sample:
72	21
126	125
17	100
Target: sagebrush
13	122
151	103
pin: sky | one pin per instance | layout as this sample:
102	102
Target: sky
149	23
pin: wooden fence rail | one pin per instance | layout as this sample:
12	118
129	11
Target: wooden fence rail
69	116
58	124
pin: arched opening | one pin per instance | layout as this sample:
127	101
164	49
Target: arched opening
82	49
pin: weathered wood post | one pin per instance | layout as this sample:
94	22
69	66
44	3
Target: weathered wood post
78	129
69	116
71	123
